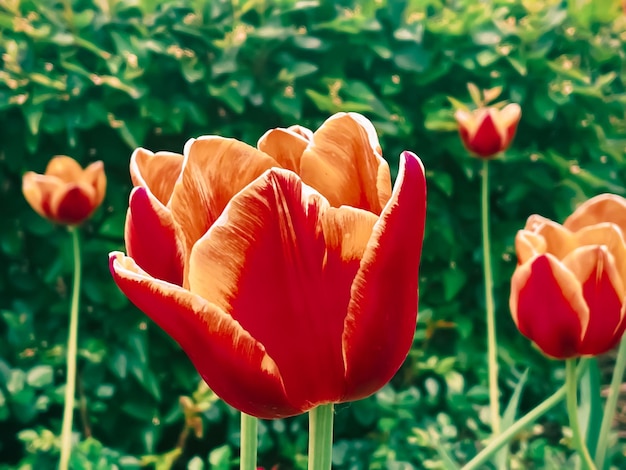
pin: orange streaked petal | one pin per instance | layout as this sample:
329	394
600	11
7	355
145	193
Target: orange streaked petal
602	208
382	313
285	146
343	162
233	364
265	262
157	172
65	168
548	306
302	131
150	237
94	176
603	290
610	236
508	119
559	240
214	170
38	190
528	244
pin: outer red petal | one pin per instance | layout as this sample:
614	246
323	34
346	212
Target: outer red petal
151	238
487	141
548	307
264	262
381	318
233	364
603	291
74	204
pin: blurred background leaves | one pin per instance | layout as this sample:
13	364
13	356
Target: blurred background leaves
95	79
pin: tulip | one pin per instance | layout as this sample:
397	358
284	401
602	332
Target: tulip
568	291
291	270
487	131
65	193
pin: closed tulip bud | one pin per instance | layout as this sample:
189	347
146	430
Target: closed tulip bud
568	291
487	131
288	272
65	193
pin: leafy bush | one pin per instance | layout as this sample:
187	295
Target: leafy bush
96	79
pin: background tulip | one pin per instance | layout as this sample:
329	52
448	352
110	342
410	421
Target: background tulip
292	294
65	193
567	293
487	131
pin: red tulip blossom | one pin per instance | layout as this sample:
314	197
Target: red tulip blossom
288	273
65	193
487	131
568	291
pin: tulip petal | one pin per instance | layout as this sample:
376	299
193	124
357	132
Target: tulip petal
266	261
73	203
487	141
94	176
343	162
610	236
285	146
214	170
508	119
150	237
302	131
602	208
232	363
38	190
528	244
559	240
603	289
548	306
157	172
382	313
65	168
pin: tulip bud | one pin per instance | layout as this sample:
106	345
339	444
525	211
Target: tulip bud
65	193
568	290
487	131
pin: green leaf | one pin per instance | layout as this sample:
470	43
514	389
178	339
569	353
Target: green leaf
40	376
220	457
508	418
590	405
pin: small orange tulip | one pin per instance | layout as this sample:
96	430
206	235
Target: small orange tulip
289	272
487	131
568	291
65	193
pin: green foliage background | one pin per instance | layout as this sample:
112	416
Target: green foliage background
95	79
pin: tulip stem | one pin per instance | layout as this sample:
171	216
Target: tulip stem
249	433
321	437
492	351
571	383
529	418
72	341
611	403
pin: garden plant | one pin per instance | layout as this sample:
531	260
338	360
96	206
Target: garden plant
381	234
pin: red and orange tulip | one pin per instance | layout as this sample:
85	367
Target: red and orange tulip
289	272
568	291
65	193
487	131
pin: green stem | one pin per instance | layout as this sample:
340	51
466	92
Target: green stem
249	433
492	351
72	344
611	403
529	418
321	437
571	384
